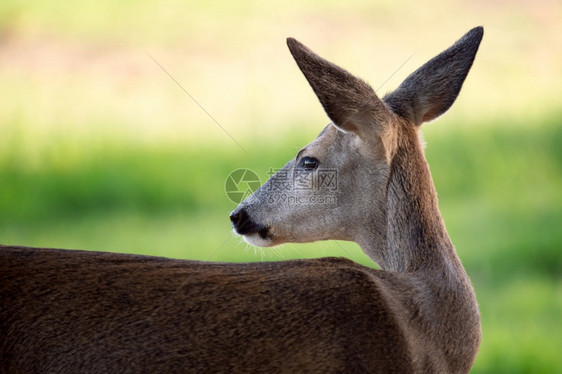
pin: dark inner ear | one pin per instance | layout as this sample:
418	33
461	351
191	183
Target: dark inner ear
432	89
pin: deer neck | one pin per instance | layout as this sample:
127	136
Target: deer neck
416	238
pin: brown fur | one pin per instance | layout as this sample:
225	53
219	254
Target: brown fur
73	311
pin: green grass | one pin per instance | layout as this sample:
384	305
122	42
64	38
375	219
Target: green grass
499	194
100	150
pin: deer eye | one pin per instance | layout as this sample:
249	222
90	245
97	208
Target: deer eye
308	163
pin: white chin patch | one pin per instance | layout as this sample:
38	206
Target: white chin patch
257	240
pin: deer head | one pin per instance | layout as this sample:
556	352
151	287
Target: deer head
337	187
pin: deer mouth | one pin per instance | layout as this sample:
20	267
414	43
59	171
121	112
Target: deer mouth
261	238
257	235
253	229
253	232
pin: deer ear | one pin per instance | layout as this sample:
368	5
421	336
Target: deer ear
350	103
431	90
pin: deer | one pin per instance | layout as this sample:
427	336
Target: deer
72	311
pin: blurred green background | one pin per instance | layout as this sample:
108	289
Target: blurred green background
101	150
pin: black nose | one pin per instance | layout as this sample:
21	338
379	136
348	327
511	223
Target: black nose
243	224
239	218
